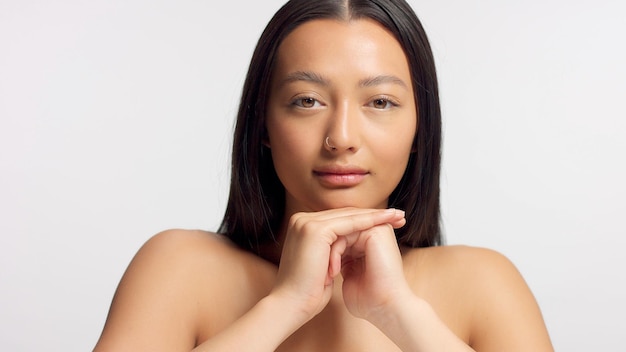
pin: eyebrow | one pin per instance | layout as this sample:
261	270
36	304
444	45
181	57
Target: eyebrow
384	79
306	76
316	78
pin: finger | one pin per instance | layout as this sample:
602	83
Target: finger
353	224
398	223
330	214
350	227
337	250
381	239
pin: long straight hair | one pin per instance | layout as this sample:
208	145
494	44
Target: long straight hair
256	201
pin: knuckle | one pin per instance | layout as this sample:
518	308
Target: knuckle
309	227
296	219
362	222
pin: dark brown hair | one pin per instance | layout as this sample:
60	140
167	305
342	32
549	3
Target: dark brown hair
256	201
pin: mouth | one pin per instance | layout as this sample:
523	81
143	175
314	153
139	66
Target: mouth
340	177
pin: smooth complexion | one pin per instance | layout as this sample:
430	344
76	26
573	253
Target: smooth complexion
352	84
342	283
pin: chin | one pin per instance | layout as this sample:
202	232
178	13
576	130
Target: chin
345	203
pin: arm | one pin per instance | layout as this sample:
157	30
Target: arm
305	278
503	314
414	326
156	306
506	315
483	287
262	328
375	288
148	311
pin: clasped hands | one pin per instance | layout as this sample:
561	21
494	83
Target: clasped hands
359	244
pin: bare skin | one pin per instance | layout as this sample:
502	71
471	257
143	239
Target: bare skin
336	280
185	287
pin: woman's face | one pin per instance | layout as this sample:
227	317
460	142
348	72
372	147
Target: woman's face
348	82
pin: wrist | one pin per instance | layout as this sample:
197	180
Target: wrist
262	328
283	304
413	325
403	306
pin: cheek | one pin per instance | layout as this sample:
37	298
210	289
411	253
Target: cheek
285	139
290	147
395	158
394	149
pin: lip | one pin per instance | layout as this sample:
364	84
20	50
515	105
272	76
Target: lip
336	176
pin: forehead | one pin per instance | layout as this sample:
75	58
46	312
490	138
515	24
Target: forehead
333	47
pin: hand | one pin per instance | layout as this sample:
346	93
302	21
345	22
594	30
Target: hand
313	249
373	273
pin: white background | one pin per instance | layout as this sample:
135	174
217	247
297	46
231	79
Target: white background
116	120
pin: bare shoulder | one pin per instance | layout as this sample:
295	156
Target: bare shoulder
182	245
499	309
454	252
167	286
182	253
460	265
466	260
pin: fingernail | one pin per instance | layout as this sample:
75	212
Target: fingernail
395	211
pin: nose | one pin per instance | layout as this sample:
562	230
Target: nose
343	130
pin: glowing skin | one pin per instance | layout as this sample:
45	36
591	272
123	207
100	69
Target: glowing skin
349	81
337	281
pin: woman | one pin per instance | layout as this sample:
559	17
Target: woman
329	241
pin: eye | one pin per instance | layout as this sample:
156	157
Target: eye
380	103
383	103
306	102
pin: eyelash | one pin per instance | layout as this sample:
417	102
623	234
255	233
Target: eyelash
387	100
298	102
392	103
